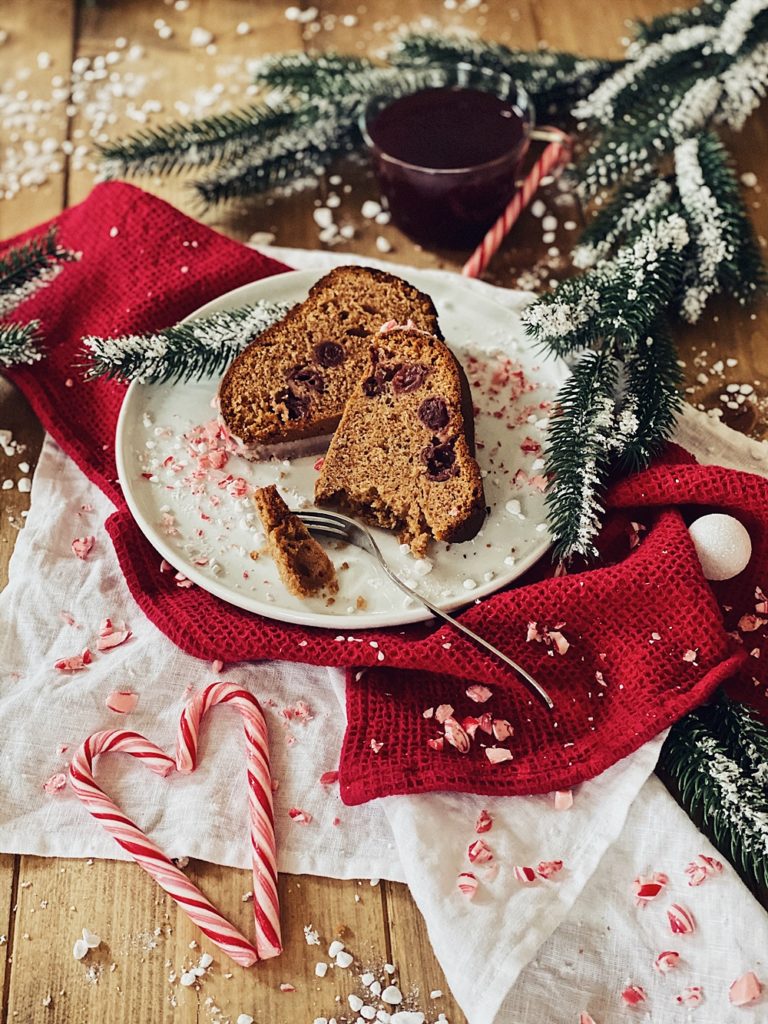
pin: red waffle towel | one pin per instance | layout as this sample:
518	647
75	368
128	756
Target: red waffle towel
646	633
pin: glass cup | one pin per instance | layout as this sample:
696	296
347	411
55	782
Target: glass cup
446	206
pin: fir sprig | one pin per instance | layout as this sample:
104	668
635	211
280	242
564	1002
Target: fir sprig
186	351
580	441
25	268
19	343
715	756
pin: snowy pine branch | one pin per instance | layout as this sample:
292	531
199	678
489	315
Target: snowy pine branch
19	343
186	351
25	268
717	782
578	453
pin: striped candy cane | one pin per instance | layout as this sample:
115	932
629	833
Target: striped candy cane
556	153
149	856
265	899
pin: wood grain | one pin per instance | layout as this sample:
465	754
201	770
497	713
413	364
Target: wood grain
45	903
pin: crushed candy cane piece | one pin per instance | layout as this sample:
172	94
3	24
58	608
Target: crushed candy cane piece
328	778
502	730
376	745
436	744
550	637
648	887
484	822
217	666
479	694
122	701
691	655
75	663
524	875
563	799
680	920
479	852
428	713
761	605
55	784
585	1018
286	986
455	735
750	623
467	884
667	961
547	868
82	546
690	996
114	638
702	868
443	711
299	816
633	995
498	754
745	990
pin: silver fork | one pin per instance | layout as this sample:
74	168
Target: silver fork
338	527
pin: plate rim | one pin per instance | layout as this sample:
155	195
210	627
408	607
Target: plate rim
301	617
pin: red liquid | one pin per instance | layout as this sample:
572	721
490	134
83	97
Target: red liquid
474	140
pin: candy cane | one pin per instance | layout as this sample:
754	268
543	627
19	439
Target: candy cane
266	907
149	856
555	153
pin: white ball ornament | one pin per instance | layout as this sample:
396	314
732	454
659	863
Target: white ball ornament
722	544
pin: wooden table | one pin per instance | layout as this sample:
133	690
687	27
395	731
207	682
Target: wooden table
45	903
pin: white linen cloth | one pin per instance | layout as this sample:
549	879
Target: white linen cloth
482	946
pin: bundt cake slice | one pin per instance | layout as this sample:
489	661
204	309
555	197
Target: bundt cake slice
403	455
293	381
304	567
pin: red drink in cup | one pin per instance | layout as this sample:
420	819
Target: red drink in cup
447	158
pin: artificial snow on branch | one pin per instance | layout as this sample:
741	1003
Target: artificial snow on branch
19	343
716	757
23	270
186	351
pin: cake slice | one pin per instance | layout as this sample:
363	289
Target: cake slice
293	381
304	567
403	455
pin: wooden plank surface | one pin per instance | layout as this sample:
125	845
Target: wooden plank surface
45	903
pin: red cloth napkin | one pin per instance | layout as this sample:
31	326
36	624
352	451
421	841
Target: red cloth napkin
646	634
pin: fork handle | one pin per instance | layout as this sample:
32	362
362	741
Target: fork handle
530	682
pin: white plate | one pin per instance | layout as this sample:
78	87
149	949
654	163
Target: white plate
207	534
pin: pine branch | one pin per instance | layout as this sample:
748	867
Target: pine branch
622	218
308	76
19	343
184	352
731	801
318	136
548	77
578	453
218	138
620	298
25	268
745	735
743	272
652	385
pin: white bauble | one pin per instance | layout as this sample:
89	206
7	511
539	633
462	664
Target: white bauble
722	544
